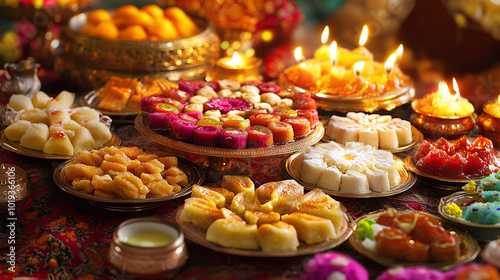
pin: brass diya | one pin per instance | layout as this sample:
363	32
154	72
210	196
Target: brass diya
489	125
434	127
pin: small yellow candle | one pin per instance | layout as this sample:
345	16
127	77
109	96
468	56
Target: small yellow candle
238	67
493	108
323	53
442	104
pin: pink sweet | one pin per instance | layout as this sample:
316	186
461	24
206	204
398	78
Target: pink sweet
195	116
206	136
411	273
233	138
182	129
159	120
148	102
325	266
180	95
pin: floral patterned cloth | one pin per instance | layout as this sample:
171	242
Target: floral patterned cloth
60	236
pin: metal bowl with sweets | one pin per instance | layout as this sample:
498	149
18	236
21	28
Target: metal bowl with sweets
132	41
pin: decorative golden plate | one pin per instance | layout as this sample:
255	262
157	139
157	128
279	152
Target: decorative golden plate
469	247
193	172
290	166
387	101
438	181
92	100
15	147
481	232
197	235
417	137
141	124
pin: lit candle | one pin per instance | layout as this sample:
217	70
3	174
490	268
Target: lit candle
322	53
442	104
493	108
399	54
305	73
238	67
333	52
358	67
389	64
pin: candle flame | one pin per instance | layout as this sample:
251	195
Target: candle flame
399	53
236	61
297	53
498	99
364	36
333	52
358	67
455	87
389	64
325	34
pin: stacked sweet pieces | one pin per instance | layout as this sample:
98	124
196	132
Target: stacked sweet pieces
353	168
147	23
125	172
409	237
273	217
382	132
484	207
231	115
125	94
457	160
52	126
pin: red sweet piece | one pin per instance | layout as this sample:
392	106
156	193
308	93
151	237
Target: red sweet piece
458	159
285	113
391	243
282	132
416	251
182	129
447	249
232	138
259	136
160	120
176	103
148	102
387	218
300	125
250	112
304	103
268	87
194	116
263	119
427	229
311	115
180	95
206	136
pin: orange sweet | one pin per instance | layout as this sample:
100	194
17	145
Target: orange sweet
153	10
88	29
106	30
133	32
97	16
184	24
163	28
142	18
